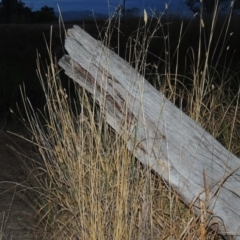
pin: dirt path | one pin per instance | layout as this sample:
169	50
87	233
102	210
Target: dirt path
16	216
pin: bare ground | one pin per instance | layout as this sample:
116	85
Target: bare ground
16	216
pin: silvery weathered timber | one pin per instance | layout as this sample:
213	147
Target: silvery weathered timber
197	166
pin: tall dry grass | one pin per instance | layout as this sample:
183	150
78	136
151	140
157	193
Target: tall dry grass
86	184
211	95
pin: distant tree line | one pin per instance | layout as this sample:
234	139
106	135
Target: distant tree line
15	11
209	5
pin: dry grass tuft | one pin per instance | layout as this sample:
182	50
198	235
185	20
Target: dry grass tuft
87	185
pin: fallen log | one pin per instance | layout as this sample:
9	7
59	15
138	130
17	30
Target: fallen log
161	136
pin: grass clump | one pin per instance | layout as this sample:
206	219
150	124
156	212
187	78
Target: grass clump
87	185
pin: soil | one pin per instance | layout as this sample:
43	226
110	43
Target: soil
17	219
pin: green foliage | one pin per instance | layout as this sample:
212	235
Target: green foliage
46	14
9	10
208	5
16	12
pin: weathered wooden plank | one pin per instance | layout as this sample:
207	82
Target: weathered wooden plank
162	136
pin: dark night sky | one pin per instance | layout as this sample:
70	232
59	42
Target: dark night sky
103	6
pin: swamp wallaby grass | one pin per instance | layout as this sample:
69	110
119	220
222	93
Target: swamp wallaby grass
87	185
